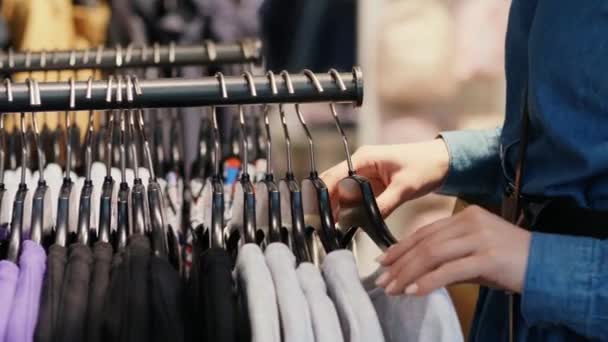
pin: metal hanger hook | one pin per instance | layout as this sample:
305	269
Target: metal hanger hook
211	50
123	151
338	80
216	131
33	85
290	90
110	128
253	93
311	145
88	156
142	130
68	128
131	128
274	91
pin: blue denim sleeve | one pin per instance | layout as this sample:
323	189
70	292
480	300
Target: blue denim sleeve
566	283
474	170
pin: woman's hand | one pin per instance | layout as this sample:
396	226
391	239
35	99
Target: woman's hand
471	246
397	172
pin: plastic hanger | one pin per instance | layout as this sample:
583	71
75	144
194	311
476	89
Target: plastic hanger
291	196
14	246
105	203
63	204
357	207
268	204
316	200
123	223
84	207
160	246
243	217
41	220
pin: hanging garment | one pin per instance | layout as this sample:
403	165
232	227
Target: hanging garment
325	322
412	318
257	290
51	294
9	274
137	326
117	298
22	321
357	315
74	294
217	297
100	281
166	301
293	308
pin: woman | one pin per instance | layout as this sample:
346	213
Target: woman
555	136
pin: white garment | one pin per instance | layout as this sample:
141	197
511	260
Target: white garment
255	285
325	322
357	315
412	318
293	308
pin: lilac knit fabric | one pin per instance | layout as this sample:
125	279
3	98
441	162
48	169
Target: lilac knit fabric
22	321
9	272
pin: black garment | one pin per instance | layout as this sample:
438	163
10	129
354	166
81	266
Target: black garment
51	294
127	310
100	282
166	301
74	295
116	299
218	297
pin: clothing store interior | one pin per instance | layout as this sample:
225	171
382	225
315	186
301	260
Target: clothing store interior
162	164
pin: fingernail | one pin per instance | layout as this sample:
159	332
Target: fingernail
381	281
381	258
411	289
390	289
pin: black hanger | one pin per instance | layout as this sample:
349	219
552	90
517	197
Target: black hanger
107	189
243	208
268	208
291	196
315	195
63	204
14	246
361	210
42	229
84	207
160	246
124	223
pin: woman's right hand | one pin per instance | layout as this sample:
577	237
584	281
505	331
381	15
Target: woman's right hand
398	173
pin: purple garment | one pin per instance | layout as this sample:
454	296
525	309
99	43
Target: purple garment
9	272
24	314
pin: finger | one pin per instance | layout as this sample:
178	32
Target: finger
397	250
332	177
457	271
389	200
426	259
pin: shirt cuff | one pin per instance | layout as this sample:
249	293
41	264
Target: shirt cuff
474	169
562	279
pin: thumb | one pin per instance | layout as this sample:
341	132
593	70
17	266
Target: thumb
389	200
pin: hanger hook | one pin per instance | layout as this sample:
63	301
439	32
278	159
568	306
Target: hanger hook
216	131
118	57
28	60
156	49
253	93
142	131
9	96
68	128
285	75
24	154
338	80
129	54
274	91
171	53
72	58
123	152
11	58
99	55
41	158
311	147
88	156
210	49
131	128
86	56
110	127
144	53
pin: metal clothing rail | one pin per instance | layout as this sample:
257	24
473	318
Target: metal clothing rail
132	56
180	92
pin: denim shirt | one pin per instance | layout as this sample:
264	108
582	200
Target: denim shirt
557	50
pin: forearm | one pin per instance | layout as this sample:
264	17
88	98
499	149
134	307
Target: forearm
474	171
566	284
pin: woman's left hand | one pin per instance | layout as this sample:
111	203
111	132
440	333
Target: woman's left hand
471	246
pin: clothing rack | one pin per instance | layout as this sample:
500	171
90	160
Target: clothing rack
181	92
132	56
